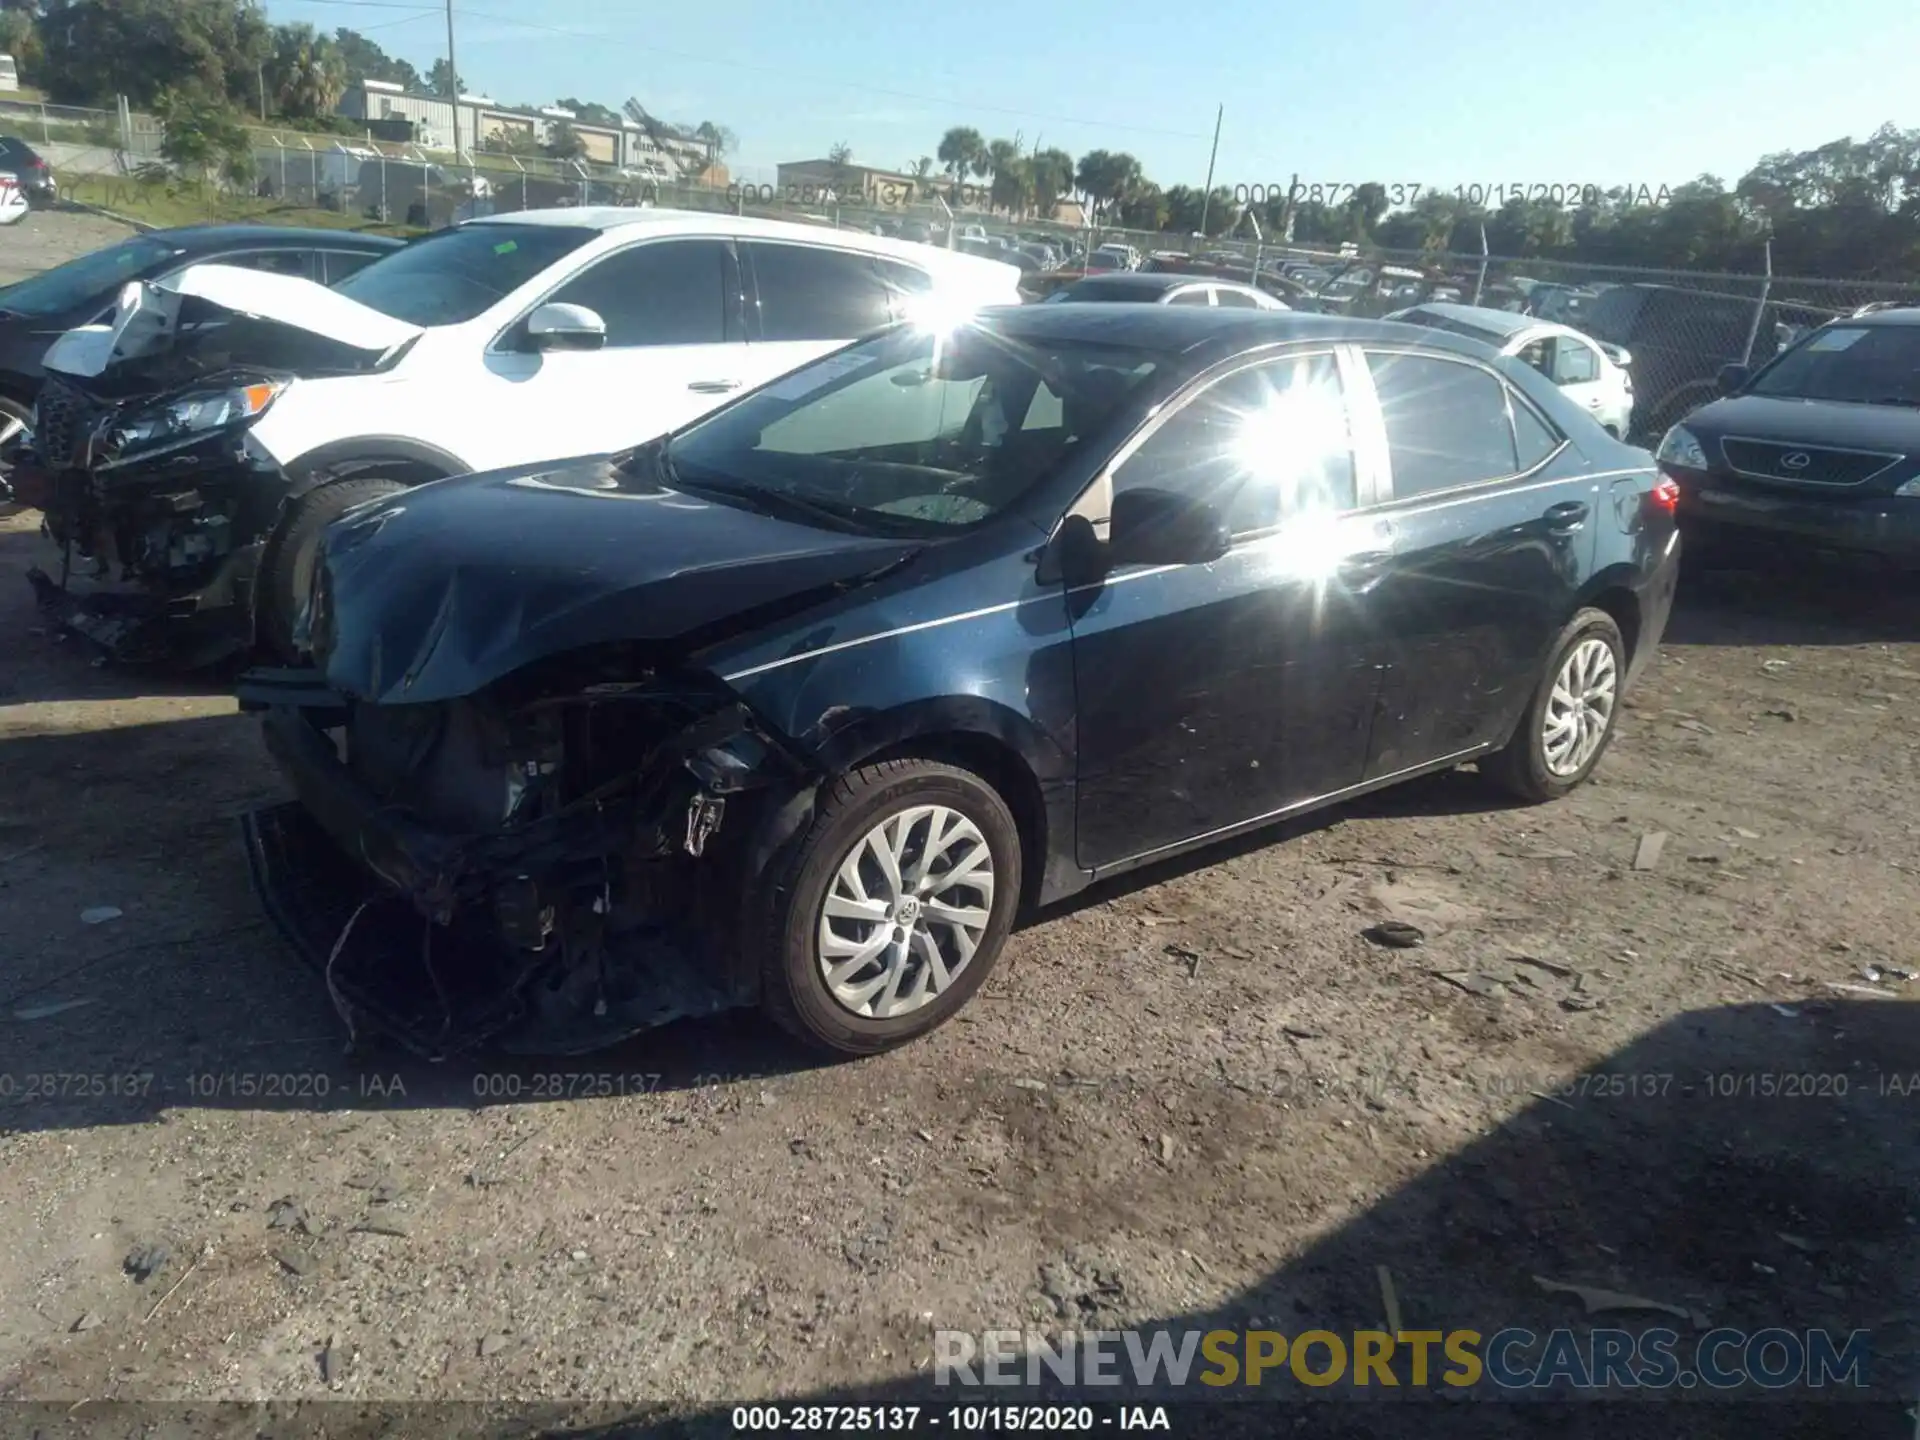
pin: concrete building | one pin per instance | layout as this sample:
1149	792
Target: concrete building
664	153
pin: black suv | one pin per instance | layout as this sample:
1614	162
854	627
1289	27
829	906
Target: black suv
1679	340
1816	452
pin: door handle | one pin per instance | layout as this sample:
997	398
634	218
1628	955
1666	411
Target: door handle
1567	516
713	387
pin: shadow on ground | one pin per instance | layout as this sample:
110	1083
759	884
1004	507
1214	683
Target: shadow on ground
1743	1168
1734	599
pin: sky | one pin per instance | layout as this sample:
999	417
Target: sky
1441	94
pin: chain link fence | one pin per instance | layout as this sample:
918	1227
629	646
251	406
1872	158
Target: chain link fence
1679	327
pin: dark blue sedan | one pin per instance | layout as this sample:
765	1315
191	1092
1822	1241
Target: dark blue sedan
799	706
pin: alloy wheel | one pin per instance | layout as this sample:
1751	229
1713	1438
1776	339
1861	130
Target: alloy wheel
906	911
1580	707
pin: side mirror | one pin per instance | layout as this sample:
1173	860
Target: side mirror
1159	527
1730	378
565	327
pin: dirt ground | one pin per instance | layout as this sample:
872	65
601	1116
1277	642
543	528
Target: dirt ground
1200	1098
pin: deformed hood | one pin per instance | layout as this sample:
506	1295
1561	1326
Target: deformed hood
147	317
439	592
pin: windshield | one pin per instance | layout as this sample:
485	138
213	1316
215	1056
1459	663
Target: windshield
1861	364
914	430
90	279
451	276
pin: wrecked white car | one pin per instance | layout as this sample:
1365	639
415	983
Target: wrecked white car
165	511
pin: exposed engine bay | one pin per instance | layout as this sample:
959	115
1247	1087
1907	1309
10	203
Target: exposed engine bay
547	873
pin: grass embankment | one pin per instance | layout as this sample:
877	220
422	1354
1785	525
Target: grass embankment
161	205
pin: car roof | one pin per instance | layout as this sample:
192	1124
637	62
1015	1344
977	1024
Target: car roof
1148	282
1504	323
1884	317
632	220
272	237
1182	330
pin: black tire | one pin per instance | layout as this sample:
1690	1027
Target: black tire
10	411
787	910
1521	768
286	568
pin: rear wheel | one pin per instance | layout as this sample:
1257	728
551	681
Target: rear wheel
286	572
1570	719
889	911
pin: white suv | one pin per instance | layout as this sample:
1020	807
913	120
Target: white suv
518	338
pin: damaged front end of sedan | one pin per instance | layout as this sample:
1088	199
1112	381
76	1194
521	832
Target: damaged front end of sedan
141	460
527	813
546	870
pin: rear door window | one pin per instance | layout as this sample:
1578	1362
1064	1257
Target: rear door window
810	292
1446	423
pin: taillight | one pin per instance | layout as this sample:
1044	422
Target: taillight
1665	494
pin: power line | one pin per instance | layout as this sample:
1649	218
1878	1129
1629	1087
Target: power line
953	102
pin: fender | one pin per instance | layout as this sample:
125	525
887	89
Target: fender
326	462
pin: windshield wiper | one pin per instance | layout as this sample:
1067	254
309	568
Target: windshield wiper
1907	400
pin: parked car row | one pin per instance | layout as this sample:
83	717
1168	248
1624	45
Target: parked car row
190	447
859	611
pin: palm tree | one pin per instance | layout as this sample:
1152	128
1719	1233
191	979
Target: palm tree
1011	180
309	72
1050	175
963	153
922	172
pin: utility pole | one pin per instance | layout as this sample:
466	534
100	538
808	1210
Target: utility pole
1207	198
453	83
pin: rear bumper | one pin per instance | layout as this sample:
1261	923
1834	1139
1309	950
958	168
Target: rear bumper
1656	607
1884	526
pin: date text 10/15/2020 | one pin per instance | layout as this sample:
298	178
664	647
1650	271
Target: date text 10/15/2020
1570	194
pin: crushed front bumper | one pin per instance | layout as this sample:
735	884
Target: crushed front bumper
138	625
394	914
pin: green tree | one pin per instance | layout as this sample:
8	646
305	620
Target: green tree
962	152
204	139
1050	175
1011	182
1107	179
564	142
94	50
719	140
443	82
362	59
590	112
307	73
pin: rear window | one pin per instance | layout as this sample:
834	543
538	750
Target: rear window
450	276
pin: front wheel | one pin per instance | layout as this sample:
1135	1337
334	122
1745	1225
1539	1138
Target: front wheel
286	569
1570	719
889	911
